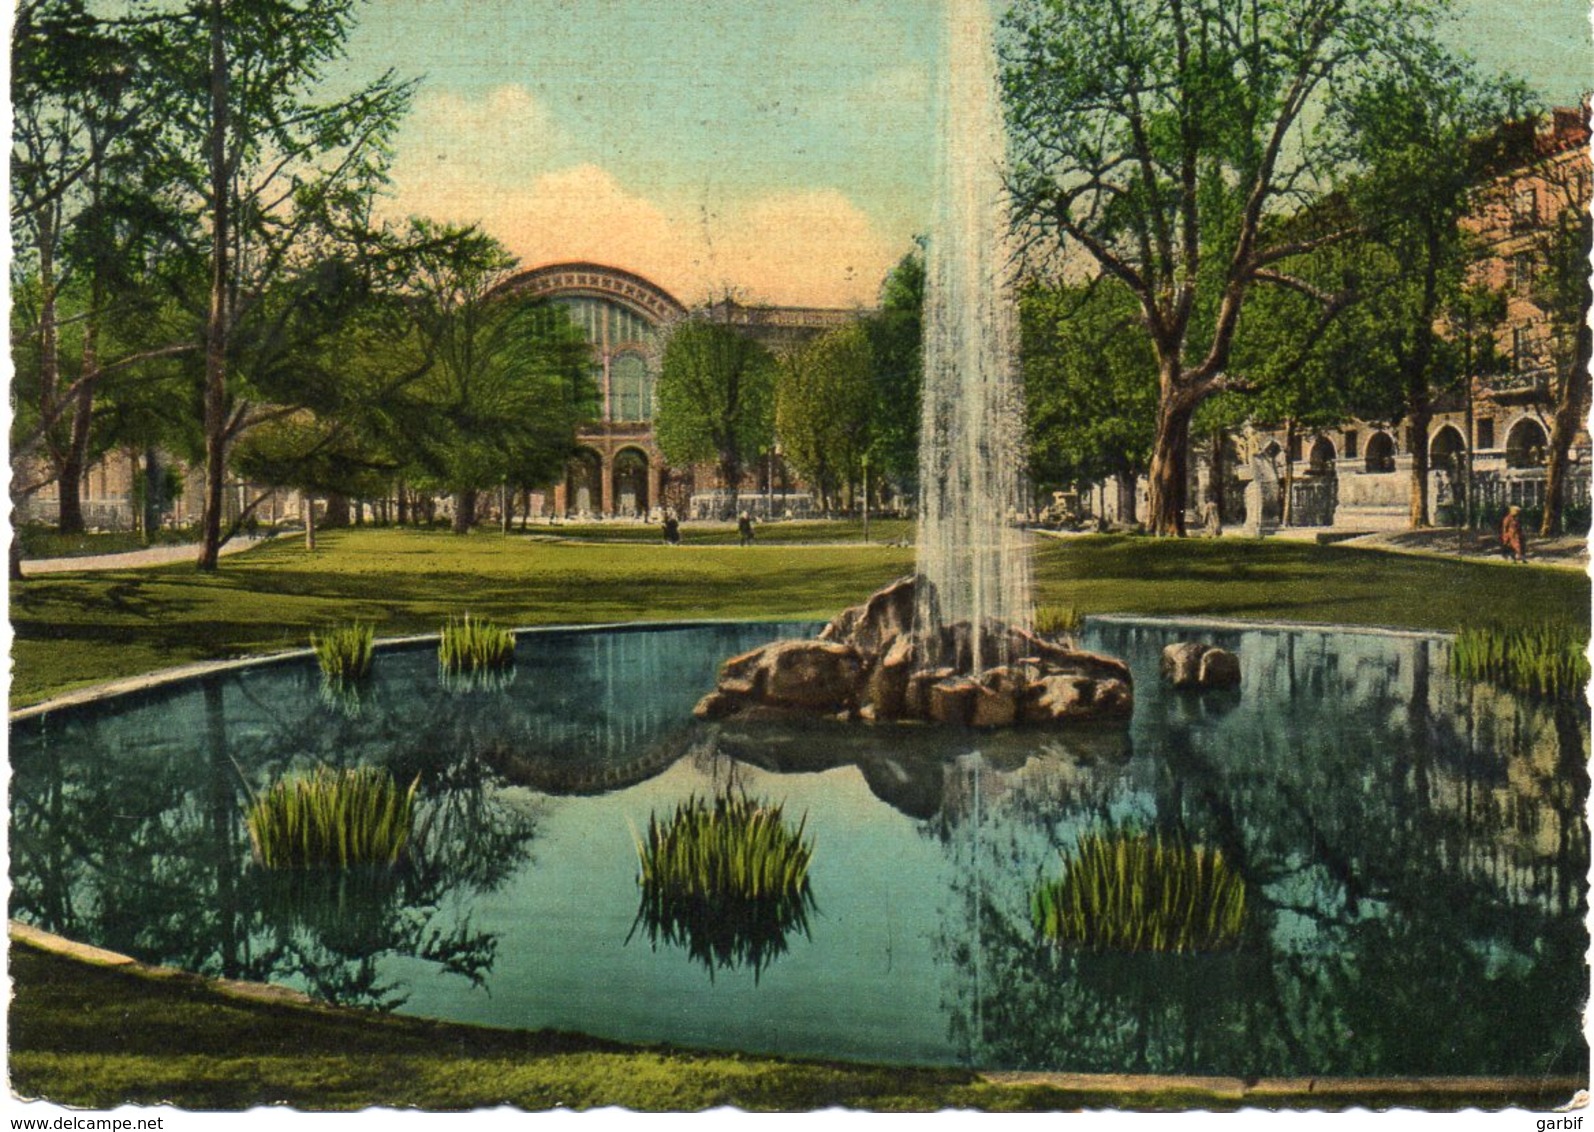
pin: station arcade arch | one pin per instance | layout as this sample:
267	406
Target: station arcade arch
617	469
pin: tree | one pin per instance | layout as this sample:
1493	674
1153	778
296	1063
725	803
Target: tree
281	182
825	409
1428	134
1161	137
91	218
1561	290
1090	384
508	380
896	334
716	399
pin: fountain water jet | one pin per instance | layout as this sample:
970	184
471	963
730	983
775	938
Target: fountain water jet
973	563
953	643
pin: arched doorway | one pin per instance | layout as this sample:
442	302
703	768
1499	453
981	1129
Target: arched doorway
1320	461
1380	456
1525	444
1447	450
584	483
631	482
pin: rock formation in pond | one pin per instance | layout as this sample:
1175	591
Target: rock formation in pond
867	665
1192	664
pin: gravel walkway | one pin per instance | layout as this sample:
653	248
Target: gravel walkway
151	556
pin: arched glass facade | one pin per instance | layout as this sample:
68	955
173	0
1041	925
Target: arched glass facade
626	348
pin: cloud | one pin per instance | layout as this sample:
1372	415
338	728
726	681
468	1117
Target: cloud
506	134
812	248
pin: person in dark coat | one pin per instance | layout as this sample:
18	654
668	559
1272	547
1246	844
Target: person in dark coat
672	529
1513	543
744	528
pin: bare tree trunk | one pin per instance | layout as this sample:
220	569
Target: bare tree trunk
1169	455
337	510
216	328
1418	420
309	522
1568	417
464	511
1287	504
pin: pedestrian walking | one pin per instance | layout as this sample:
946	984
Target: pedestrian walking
1513	543
744	528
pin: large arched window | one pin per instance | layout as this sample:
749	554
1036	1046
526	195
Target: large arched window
630	388
1320	461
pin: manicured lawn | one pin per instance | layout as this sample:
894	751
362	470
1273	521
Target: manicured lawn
811	531
74	630
82	1034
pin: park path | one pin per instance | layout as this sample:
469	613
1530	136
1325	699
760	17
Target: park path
149	556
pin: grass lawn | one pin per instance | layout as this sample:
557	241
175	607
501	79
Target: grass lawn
95	1036
74	630
812	531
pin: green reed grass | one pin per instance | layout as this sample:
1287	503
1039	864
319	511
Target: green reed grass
1548	660
1058	620
1135	892
727	878
473	645
332	819
345	653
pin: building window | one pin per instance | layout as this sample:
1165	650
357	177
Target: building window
1485	433
1522	272
1521	350
1350	444
1525	207
631	388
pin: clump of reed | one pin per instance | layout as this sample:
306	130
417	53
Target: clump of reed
1549	660
1136	892
345	653
332	819
1058	620
726	878
473	645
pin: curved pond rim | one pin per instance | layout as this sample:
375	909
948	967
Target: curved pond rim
164	676
1244	624
1481	1090
161	677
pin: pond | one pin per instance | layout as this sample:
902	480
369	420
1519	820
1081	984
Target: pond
1415	850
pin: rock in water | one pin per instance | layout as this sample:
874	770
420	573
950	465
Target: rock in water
867	665
1192	664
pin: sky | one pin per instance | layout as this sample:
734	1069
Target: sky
777	150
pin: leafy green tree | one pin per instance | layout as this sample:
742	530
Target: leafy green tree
1090	383
1428	135
716	396
91	214
825	410
281	184
896	334
508	381
1561	290
1161	137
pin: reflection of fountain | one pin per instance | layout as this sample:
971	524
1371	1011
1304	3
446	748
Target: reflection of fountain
971	558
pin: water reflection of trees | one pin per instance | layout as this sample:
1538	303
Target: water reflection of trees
1417	883
145	852
126	816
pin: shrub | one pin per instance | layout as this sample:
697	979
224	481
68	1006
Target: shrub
332	819
727	879
475	646
345	653
1548	660
1058	620
1133	892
